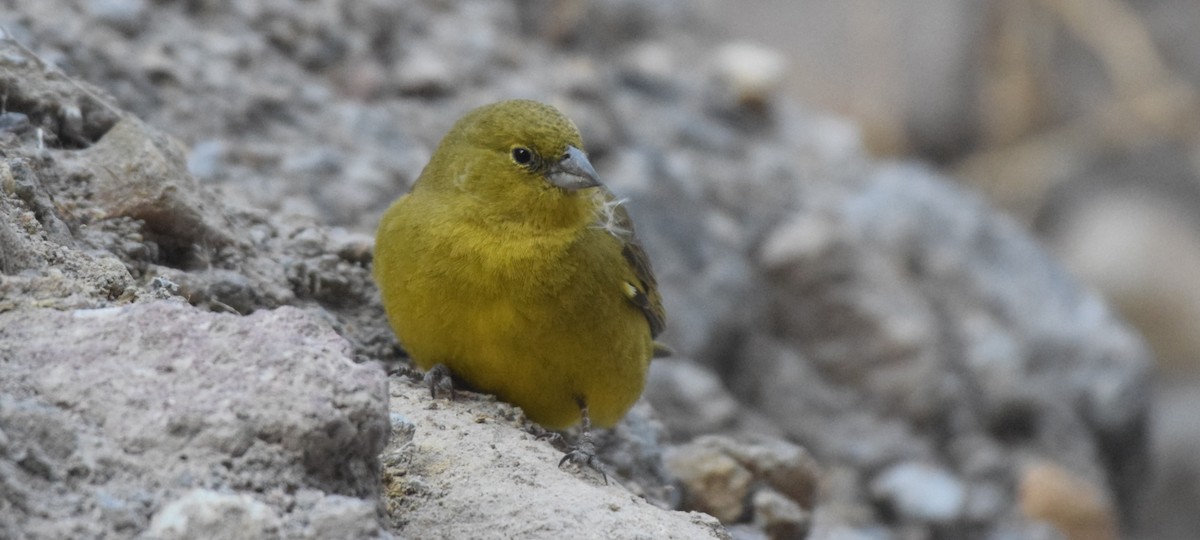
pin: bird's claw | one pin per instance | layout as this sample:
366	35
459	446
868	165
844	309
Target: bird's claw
584	455
439	378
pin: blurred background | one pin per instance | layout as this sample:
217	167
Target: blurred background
1076	117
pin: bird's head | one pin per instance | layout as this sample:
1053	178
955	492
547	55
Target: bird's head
515	156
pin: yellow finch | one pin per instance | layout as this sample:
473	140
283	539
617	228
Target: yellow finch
511	266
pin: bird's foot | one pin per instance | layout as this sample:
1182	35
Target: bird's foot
438	378
584	452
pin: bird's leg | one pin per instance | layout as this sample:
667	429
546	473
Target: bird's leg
438	377
584	451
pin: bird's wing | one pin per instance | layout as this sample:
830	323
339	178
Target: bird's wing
646	296
641	289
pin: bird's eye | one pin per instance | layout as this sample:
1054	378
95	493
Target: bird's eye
522	155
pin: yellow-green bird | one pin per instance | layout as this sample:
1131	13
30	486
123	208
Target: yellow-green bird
511	265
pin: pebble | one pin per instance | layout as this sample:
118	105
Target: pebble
921	492
750	73
124	15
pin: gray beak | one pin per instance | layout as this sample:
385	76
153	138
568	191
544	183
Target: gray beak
573	171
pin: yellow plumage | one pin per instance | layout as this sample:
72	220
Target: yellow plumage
510	265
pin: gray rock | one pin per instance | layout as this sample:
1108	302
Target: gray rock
203	513
778	515
921	492
724	476
633	451
909	313
124	15
204	160
189	416
691	399
471	470
338	516
142	176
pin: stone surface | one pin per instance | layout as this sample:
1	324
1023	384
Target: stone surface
723	476
207	514
1075	507
715	482
140	174
921	492
516	489
907	309
778	516
161	417
691	399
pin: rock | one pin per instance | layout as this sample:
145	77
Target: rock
204	513
1102	239
1077	508
1166	511
41	264
690	399
875	276
14	122
605	24
788	389
470	467
205	159
747	532
748	74
422	72
139	173
154	400
125	15
787	468
844	511
650	66
60	111
719	474
338	516
15	255
921	492
19	179
800	240
777	515
633	451
715	483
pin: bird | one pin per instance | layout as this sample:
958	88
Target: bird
510	267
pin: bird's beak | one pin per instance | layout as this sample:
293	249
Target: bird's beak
573	171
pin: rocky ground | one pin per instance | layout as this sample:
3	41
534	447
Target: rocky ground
192	346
